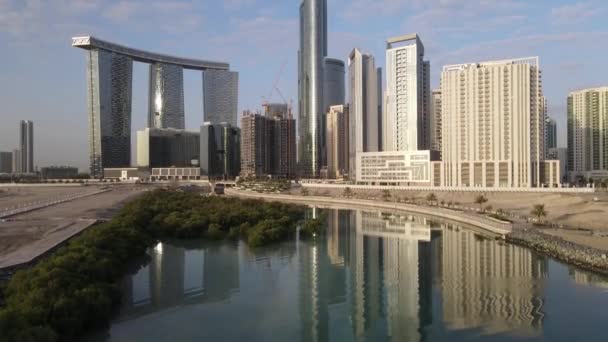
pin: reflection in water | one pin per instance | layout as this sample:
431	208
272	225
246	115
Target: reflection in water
374	276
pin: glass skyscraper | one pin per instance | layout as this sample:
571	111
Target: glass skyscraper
166	98
220	93
26	142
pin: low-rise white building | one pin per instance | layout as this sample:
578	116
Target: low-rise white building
394	167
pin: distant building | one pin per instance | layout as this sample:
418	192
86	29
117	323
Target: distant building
588	134
550	134
561	154
435	121
167	148
175	173
407	99
394	167
333	87
17	161
337	141
497	140
6	162
273	110
26	141
220	151
363	106
220	96
166	96
58	172
268	145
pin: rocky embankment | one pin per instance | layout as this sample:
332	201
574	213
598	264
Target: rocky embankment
585	257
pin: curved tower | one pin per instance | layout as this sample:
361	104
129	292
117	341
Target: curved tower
313	50
166	97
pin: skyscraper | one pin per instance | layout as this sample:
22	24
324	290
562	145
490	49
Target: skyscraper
380	109
435	121
26	144
220	151
333	87
363	106
407	102
337	141
167	147
220	92
166	97
6	162
492	124
254	147
16	161
588	133
550	134
313	50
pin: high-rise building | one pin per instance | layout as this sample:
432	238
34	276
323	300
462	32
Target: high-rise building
363	106
550	134
407	97
561	154
311	56
220	92
333	87
6	162
166	96
493	125
435	121
168	147
17	161
220	151
380	97
273	110
337	141
267	145
26	144
588	134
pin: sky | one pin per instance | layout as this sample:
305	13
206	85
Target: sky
42	78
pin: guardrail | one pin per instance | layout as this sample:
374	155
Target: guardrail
309	184
31	206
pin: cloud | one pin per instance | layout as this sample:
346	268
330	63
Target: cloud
577	12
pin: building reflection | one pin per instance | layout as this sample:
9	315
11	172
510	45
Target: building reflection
493	286
586	278
178	275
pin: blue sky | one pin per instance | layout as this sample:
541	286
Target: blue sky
42	77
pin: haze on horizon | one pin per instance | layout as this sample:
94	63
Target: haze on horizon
43	77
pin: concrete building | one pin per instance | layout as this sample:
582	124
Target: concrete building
407	96
167	148
58	172
394	167
273	110
311	57
493	125
220	151
561	154
337	141
220	96
6	162
109	97
268	145
26	144
166	96
16	161
550	134
363	106
588	134
435	121
380	97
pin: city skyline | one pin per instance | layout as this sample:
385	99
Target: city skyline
550	33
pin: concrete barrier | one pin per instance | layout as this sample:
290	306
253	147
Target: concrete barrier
444	189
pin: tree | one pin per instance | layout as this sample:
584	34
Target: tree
347	192
304	191
539	211
386	195
431	198
481	199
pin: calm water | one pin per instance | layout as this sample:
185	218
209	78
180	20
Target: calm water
375	277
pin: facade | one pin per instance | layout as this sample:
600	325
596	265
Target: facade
561	154
175	173
273	110
311	56
26	144
126	173
333	86
220	93
380	97
435	121
17	161
407	96
588	134
220	151
364	133
167	148
6	162
550	134
267	145
394	167
492	124
109	97
337	141
166	96
58	172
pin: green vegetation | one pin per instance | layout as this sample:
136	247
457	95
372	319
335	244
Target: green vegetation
539	212
304	191
386	195
481	199
348	193
431	198
264	184
75	290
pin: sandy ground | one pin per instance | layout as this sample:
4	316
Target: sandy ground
39	229
14	196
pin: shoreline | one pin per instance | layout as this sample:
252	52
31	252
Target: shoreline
588	258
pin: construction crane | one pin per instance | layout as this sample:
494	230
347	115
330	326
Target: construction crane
266	100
